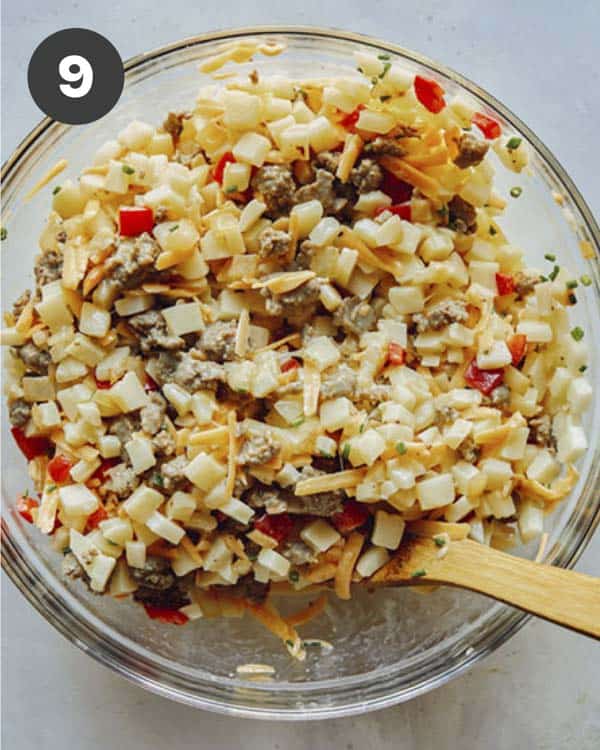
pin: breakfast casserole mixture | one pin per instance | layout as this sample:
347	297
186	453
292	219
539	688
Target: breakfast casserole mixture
276	334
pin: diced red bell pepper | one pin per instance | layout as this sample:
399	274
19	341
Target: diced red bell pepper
430	94
25	505
484	380
104	467
349	121
59	468
505	283
517	346
279	526
134	220
168	616
398	190
402	210
96	518
32	446
150	384
224	160
289	364
395	354
351	517
102	385
488	126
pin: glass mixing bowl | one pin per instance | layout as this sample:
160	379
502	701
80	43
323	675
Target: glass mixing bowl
390	645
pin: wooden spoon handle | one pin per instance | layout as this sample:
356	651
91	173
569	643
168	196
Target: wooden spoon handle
562	596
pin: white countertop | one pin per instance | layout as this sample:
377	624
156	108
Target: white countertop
540	691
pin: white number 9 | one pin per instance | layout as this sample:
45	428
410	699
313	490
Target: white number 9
84	74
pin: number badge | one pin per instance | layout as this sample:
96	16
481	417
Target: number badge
75	76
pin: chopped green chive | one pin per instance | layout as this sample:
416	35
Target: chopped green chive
56	190
290	644
439	541
360	70
586	281
583	368
323	454
513	143
550	256
127	169
386	67
232	189
543	278
294	576
577	333
298	422
3	233
572	299
374	80
384	98
516	191
346	451
383	56
252	556
572	284
50	488
158	479
493	230
401	448
174	228
66	550
554	273
419	573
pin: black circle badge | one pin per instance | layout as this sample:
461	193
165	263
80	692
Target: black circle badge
75	76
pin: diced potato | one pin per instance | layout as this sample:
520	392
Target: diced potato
114	365
368	231
319	535
109	446
497	472
83	470
375	122
273	562
98	566
236	177
38	388
218	555
179	397
544	468
135	554
345	265
237	510
181	506
85	350
326	446
128	393
513	448
70	398
165	528
205	471
179	236
371	560
141	454
536	331
579	394
94	321
484	274
335	414
251	214
203	406
496	356
70	369
142	503
184	318
407	299
325	231
437	246
330	297
368	203
136	135
436	491
531	521
194	267
388	530
411	237
460	508
570	437
117	530
69	200
324	135
366	448
133	305
46	415
307	215
322	352
390	232
242	110
116	180
78	500
455	433
252	148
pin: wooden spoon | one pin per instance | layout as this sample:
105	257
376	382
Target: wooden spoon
562	596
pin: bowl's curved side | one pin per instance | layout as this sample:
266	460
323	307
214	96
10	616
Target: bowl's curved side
390	682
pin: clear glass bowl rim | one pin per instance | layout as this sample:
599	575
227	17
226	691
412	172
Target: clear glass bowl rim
302	702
